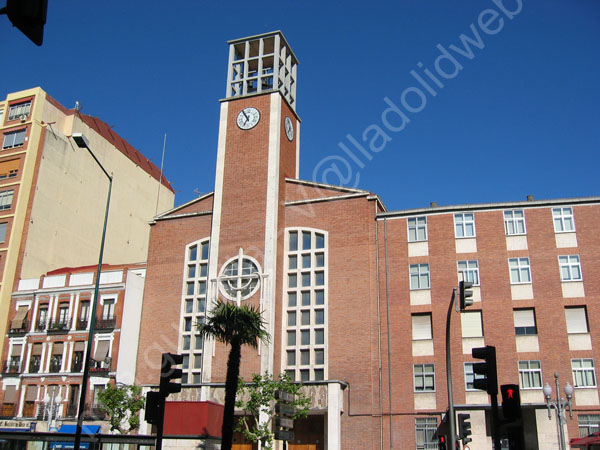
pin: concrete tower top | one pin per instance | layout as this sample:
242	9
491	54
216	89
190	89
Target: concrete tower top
262	63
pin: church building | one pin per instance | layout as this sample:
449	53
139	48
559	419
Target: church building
355	296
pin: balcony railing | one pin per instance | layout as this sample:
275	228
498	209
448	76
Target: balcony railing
55	366
8	410
21	330
12	367
41	325
106	323
59	326
71	410
82	324
29	409
77	366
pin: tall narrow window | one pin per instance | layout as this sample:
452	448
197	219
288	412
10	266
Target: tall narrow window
305	303
419	276
193	307
425	430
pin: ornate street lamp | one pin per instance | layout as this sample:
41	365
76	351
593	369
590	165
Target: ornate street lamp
559	405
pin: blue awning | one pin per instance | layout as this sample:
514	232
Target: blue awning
71	429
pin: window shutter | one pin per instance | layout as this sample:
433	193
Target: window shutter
421	326
101	351
16	350
10	394
37	349
576	320
57	348
17	322
470	323
524	318
31	394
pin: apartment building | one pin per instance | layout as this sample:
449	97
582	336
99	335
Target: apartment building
47	340
53	194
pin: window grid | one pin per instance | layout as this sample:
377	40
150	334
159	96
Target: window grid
194	309
514	222
419	276
584	374
570	268
520	270
13	139
469	271
306	305
19	109
464	225
588	424
424	377
6	198
417	229
530	374
471	376
563	220
426	430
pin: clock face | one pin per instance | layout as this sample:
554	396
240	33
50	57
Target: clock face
248	118
289	128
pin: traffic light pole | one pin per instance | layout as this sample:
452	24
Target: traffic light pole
451	420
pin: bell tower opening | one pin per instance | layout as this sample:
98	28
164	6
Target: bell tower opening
260	64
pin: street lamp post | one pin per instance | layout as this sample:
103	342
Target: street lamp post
559	405
51	406
82	142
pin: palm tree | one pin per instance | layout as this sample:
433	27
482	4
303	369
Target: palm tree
236	326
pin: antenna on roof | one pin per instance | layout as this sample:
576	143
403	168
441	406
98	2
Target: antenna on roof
162	161
77	106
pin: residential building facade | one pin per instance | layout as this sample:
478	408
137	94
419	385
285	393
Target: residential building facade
53	194
47	343
355	297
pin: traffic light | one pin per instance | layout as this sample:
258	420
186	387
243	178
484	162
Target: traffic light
154	407
464	428
465	294
489	382
442	442
167	373
511	402
29	16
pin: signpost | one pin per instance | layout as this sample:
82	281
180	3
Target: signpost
284	422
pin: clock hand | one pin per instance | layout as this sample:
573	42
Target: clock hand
245	115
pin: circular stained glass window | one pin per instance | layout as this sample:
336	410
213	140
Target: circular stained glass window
240	278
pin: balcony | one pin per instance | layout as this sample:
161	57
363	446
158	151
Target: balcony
41	325
106	323
71	410
100	369
8	410
82	324
55	365
59	326
21	330
34	366
12	367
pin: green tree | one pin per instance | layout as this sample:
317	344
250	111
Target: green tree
236	326
259	396
122	403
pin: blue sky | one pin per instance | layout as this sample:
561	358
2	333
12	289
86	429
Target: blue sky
519	118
